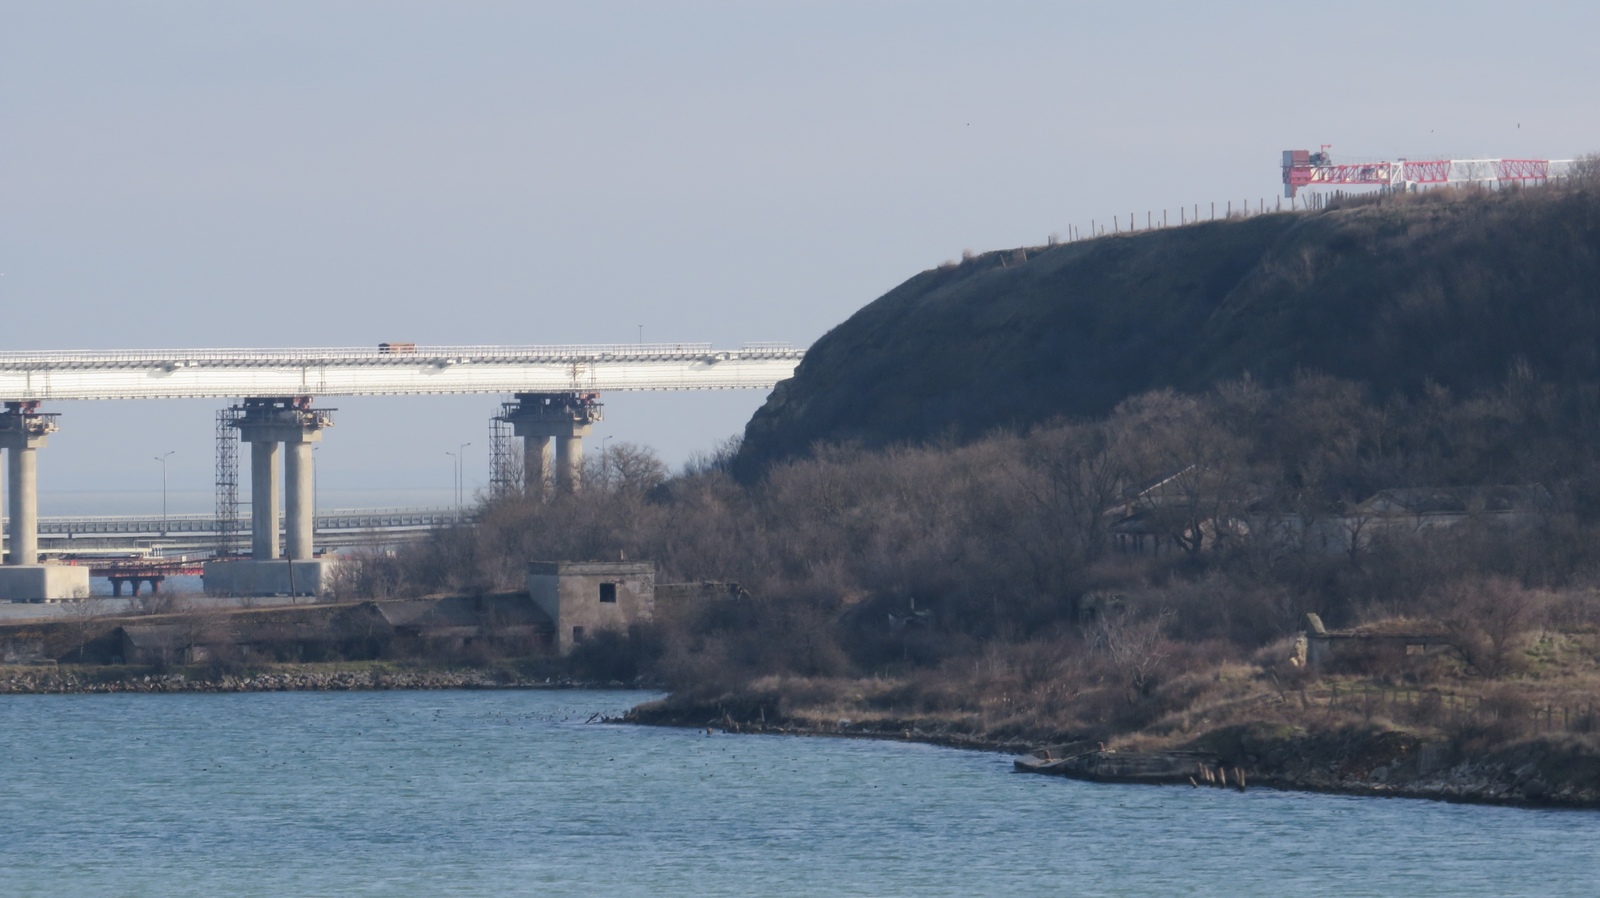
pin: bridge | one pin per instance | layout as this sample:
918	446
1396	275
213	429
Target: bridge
555	393
198	533
388	370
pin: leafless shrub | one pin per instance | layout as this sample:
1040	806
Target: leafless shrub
1585	169
1136	649
1486	620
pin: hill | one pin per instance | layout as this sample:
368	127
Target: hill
1451	287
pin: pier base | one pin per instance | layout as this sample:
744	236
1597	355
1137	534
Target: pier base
267	578
43	583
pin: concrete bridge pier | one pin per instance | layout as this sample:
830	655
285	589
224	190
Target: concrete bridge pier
264	500
266	424
535	466
23	431
569	459
565	418
300	504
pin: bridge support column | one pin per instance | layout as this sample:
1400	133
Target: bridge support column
265	423
564	417
299	501
569	460
22	469
23	431
264	500
536	466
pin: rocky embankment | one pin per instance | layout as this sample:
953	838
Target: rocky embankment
1548	772
24	681
1551	771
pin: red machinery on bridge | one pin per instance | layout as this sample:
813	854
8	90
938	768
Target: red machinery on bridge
1303	168
135	571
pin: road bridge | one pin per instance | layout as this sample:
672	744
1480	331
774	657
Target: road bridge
555	394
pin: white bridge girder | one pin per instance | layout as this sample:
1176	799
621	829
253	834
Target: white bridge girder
425	370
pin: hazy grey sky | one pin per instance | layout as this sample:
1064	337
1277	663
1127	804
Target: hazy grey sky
341	173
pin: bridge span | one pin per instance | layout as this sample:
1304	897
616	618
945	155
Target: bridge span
554	390
199	533
388	370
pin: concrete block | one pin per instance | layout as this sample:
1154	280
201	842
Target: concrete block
267	578
43	582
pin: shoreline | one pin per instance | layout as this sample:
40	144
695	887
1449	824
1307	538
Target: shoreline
1510	777
306	679
1370	764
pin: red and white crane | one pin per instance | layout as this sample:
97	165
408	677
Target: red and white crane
1303	168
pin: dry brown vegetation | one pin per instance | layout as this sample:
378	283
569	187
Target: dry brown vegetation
958	583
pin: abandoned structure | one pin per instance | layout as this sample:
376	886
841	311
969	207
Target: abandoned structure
1182	512
565	602
1318	647
581	597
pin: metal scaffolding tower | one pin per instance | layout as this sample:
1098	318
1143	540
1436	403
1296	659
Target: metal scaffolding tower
505	456
228	481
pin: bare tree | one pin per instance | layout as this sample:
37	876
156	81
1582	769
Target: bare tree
1136	648
1485	620
83	621
1585	169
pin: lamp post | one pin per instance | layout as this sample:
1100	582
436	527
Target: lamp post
455	474
458	455
605	459
163	460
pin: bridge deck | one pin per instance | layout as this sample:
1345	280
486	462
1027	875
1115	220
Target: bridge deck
226	373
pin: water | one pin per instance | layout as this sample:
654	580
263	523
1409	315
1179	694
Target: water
512	793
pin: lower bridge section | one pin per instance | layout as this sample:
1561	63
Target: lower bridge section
197	533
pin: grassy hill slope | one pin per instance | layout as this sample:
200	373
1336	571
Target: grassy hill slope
1452	287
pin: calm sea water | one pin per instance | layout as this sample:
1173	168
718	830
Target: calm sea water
513	793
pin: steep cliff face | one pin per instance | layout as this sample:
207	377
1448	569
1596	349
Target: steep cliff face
1451	288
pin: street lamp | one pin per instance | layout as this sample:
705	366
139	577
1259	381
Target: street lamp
458	455
163	460
455	474
605	459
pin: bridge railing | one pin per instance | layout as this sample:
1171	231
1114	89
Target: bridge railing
334	519
359	354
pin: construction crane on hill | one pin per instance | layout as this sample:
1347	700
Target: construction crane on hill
1303	168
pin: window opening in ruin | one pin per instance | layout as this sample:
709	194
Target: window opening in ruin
577	634
608	592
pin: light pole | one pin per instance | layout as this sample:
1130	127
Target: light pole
605	459
455	474
163	460
458	455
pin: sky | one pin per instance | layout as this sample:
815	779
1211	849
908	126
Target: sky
345	172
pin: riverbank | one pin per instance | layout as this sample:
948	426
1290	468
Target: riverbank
338	677
1374	758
